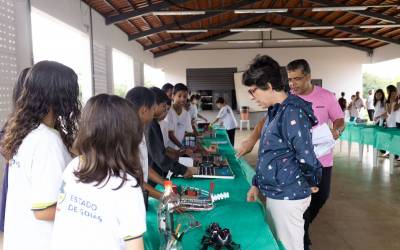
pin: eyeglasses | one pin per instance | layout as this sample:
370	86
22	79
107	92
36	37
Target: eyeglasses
251	91
296	79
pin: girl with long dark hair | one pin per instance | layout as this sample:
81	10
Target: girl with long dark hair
36	143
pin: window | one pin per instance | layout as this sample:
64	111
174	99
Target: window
122	72
153	77
56	41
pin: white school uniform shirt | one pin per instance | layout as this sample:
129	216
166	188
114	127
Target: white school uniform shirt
397	114
193	111
391	119
379	110
144	158
97	217
370	102
35	176
354	110
179	124
164	131
227	117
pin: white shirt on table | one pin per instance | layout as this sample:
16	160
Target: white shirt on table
35	176
97	217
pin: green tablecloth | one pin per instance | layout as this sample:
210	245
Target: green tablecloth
245	220
379	137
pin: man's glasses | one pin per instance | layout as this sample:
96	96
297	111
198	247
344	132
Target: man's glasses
251	91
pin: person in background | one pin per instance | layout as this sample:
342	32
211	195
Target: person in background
37	141
227	118
164	124
15	95
179	122
168	88
287	170
370	105
392	106
342	102
100	205
379	107
144	103
353	110
193	110
359	102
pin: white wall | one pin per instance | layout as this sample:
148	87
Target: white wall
76	14
387	52
340	68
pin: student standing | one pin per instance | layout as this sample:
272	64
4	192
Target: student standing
101	205
37	140
227	118
160	160
287	170
342	102
144	103
370	105
193	109
178	119
379	107
353	110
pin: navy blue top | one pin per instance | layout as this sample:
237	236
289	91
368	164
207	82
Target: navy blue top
287	166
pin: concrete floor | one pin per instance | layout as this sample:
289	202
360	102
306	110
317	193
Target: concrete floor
363	211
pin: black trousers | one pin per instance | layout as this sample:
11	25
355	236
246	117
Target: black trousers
317	202
231	135
371	114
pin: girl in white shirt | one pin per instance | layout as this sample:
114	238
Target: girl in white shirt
379	107
353	110
101	204
392	106
227	118
36	142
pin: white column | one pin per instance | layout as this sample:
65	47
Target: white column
23	34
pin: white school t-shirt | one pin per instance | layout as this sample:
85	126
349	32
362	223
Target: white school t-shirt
35	176
179	124
227	117
144	158
193	111
97	217
164	130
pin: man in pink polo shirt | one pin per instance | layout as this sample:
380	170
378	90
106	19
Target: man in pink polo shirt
327	110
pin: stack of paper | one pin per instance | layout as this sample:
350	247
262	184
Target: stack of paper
322	140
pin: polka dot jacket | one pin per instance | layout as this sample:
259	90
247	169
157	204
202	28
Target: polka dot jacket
287	166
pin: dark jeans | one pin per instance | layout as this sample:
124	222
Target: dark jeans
317	202
231	135
3	198
371	114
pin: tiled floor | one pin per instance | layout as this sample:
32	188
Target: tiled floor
363	211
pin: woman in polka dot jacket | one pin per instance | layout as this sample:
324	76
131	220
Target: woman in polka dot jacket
287	169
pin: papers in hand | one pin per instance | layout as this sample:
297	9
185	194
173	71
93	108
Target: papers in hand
186	161
322	140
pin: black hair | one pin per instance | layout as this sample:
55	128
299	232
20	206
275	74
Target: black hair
195	97
19	86
382	98
220	100
167	87
169	102
49	86
301	64
180	87
160	95
390	89
264	70
141	97
342	94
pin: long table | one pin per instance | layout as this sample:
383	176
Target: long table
246	221
379	138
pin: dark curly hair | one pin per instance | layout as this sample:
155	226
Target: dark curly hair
108	141
49	86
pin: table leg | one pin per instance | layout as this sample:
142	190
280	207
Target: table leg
349	148
391	161
375	157
360	151
341	144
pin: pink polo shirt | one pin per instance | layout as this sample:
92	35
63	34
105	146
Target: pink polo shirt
326	108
